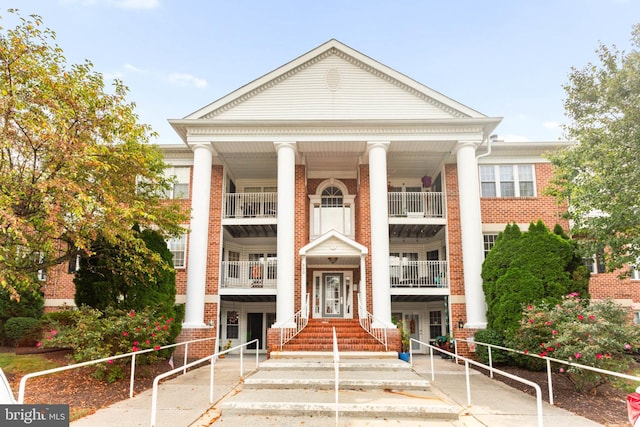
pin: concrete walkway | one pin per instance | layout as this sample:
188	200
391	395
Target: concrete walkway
184	401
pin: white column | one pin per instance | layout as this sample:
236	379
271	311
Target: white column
380	291
471	227
198	237
286	233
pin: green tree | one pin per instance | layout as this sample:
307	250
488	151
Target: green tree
75	164
523	268
599	176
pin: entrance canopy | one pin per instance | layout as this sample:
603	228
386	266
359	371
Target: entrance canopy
333	248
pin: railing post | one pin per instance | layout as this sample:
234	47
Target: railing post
549	381
132	379
211	378
490	362
241	361
466	371
184	363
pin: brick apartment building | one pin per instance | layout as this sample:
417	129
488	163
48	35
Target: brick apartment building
335	187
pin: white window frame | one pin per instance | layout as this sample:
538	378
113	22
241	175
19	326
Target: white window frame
182	175
170	244
496	182
488	242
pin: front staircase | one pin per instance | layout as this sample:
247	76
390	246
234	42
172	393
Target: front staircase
318	336
299	390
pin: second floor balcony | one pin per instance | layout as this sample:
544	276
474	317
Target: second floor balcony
416	204
418	274
249	274
250	205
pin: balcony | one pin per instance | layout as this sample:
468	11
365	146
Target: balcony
249	274
250	205
416	204
419	274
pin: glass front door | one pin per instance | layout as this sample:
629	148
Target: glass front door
333	295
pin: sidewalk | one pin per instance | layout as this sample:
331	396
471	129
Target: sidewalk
184	401
181	401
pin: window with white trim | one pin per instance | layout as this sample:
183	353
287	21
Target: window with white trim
178	247
489	240
635	273
180	188
507	180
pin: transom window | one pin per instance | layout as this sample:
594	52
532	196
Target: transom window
331	197
507	181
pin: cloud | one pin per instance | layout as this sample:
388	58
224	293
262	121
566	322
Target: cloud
551	125
121	4
136	4
183	79
133	68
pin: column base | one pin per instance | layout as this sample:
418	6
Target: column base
476	325
199	349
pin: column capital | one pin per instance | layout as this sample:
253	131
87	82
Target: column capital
199	144
284	144
469	143
378	144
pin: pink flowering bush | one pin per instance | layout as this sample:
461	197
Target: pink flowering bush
597	334
96	335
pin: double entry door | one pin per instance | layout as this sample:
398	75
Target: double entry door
331	295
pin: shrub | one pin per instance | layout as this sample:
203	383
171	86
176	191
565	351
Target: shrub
22	330
490	336
95	335
524	268
596	334
31	304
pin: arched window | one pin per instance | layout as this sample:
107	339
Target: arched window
332	209
331	197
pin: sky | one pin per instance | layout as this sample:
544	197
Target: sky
502	58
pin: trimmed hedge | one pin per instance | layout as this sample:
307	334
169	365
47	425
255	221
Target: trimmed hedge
23	331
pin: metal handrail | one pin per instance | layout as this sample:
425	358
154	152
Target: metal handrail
548	362
336	370
367	319
467	362
23	381
300	319
212	358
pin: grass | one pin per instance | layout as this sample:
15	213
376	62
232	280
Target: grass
25	364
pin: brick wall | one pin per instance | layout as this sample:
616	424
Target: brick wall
363	227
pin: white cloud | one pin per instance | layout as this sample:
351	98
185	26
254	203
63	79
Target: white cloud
133	68
136	4
122	4
514	138
551	125
183	79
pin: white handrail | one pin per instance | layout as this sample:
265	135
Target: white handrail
23	381
300	320
467	362
367	319
548	362
212	358
336	361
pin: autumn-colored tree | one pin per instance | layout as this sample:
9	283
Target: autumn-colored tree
75	164
599	176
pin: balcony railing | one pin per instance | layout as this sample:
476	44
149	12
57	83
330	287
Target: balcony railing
416	205
250	205
249	274
419	274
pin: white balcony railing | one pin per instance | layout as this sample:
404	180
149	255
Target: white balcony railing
418	274
249	274
250	205
416	205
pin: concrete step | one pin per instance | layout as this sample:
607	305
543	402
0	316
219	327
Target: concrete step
418	404
324	379
328	355
329	420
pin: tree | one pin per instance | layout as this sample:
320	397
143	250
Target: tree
97	286
75	164
523	268
599	176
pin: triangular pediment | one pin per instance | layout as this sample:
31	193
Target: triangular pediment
334	82
335	244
